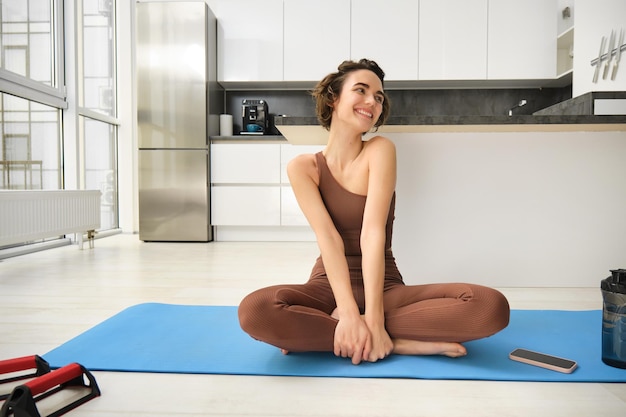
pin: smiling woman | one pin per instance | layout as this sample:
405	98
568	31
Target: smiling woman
327	90
355	302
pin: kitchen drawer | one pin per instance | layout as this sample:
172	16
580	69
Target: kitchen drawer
245	163
245	205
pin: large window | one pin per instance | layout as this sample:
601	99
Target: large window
28	31
59	128
31	98
29	158
101	166
97	69
97	103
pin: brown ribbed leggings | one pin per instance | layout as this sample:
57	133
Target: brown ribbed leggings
297	317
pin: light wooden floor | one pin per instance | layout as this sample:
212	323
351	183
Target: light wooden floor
48	297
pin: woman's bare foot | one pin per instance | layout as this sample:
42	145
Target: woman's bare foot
414	347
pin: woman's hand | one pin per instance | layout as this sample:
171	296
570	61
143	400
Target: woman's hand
359	340
353	339
382	345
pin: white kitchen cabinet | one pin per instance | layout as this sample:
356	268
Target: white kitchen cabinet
316	38
245	163
387	32
250	186
290	212
250	40
245	205
522	39
453	39
245	184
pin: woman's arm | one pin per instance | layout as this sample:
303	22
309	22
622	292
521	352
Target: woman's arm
351	335
381	185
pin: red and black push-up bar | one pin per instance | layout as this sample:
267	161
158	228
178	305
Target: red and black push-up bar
22	400
23	365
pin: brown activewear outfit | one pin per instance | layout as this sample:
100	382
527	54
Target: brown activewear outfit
297	317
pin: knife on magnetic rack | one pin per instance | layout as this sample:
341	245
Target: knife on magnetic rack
618	54
599	61
609	56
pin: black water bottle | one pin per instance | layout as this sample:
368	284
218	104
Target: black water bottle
614	319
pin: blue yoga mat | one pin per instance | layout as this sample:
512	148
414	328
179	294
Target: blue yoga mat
208	340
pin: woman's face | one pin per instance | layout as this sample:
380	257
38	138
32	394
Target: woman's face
360	102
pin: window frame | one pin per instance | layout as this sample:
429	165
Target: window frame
23	87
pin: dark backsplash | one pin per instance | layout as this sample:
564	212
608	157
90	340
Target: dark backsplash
474	102
444	102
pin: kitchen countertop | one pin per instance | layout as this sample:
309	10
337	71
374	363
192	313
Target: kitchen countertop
584	104
306	130
249	139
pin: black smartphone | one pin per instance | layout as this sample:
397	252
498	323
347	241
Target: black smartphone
543	360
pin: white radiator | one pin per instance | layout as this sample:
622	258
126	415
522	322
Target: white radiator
37	214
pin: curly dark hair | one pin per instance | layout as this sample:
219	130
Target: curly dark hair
327	90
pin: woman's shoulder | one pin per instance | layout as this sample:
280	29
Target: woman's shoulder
303	161
380	146
379	141
303	164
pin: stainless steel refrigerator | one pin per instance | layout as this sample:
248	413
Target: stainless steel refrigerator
178	107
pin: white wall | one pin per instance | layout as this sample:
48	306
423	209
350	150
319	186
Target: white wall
594	19
511	209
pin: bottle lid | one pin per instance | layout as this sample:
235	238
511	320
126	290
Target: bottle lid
616	282
619	275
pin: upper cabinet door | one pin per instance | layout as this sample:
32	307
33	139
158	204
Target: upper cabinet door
317	38
387	32
250	40
453	39
522	39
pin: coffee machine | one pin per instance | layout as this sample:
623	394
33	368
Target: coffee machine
255	117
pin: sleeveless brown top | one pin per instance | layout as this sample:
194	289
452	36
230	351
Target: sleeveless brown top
346	209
